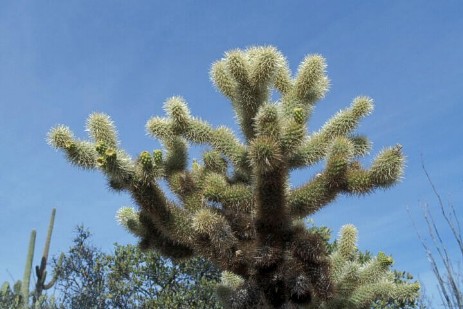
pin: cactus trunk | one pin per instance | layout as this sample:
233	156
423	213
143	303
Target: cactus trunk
27	270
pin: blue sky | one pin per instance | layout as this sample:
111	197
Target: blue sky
61	61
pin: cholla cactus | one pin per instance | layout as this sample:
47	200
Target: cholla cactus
236	208
359	284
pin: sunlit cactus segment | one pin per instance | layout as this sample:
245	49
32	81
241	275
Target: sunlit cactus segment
102	130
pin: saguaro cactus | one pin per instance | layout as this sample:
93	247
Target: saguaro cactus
237	207
27	270
19	296
22	299
41	271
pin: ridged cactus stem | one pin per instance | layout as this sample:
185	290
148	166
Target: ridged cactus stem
41	271
27	270
46	248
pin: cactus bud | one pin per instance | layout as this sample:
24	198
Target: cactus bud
157	157
101	162
298	114
70	145
145	159
110	153
101	148
384	260
195	166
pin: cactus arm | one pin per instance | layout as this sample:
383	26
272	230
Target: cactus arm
359	284
152	237
323	188
345	121
310	84
113	162
311	197
342	124
40	270
170	219
46	248
247	83
120	171
245	99
214	231
56	273
231	196
27	270
195	130
50	284
341	175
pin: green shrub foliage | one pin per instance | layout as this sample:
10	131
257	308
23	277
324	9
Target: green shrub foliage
129	278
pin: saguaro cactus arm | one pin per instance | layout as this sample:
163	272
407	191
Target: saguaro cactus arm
41	270
27	270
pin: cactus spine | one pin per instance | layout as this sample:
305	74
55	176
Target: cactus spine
236	208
